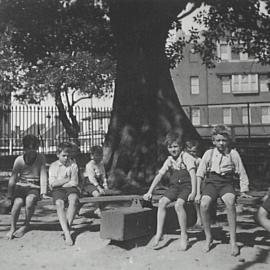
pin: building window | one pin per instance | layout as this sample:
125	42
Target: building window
227	116
193	56
266	115
226	84
224	52
232	53
264	83
196	116
194	85
243	83
245	116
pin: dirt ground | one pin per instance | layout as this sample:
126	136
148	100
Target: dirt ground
43	247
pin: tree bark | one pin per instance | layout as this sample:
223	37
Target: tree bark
145	104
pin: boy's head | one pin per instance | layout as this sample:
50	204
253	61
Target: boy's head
192	147
221	136
97	153
173	142
64	152
30	147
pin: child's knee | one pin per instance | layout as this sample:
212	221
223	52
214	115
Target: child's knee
59	204
205	204
179	205
163	202
30	200
18	202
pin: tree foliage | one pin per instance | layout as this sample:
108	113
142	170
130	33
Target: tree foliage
66	51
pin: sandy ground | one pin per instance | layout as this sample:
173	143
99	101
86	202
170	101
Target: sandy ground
43	247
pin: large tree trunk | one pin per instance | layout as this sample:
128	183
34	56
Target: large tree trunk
145	104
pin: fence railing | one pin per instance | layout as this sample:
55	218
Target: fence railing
44	122
248	120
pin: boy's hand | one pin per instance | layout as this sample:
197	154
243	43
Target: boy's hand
191	196
245	195
198	198
147	196
44	197
100	190
106	186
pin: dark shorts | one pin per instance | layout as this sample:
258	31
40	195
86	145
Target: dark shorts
217	186
62	193
266	205
90	188
176	191
24	191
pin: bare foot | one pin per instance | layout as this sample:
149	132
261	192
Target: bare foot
235	250
21	231
10	234
156	243
183	243
208	245
68	240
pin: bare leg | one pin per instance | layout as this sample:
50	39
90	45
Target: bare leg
229	200
161	215
205	207
263	219
60	207
15	212
182	219
98	209
199	217
73	202
29	211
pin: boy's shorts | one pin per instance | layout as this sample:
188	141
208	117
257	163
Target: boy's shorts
62	193
90	188
266	205
176	191
217	186
24	191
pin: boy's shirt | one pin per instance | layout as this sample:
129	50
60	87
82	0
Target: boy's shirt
34	175
95	172
58	171
184	161
223	164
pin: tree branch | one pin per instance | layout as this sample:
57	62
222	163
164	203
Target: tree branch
194	7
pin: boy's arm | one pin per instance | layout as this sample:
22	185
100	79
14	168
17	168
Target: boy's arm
43	177
192	195
156	180
53	181
11	184
13	178
74	177
90	174
240	169
198	193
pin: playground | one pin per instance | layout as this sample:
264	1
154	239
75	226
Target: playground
43	247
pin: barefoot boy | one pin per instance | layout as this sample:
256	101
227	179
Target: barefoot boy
182	188
63	180
96	175
219	165
27	183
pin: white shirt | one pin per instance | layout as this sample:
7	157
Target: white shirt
224	163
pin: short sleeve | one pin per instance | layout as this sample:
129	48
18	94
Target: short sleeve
189	161
165	167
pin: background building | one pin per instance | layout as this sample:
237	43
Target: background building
235	92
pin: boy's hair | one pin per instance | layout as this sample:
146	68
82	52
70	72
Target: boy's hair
30	142
221	130
172	137
64	146
96	149
191	143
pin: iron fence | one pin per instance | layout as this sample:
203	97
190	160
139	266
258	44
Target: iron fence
44	122
248	121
